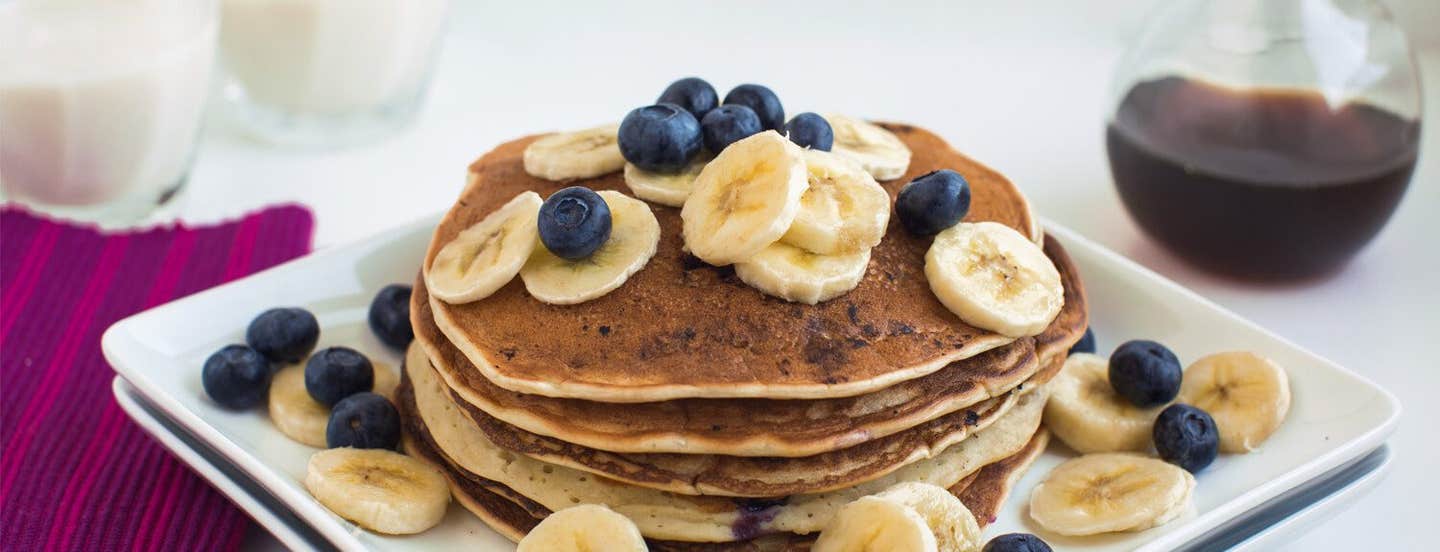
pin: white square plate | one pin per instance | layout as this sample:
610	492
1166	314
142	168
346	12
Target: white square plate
1336	416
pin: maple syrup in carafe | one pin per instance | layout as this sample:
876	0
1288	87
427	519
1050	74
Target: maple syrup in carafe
1266	183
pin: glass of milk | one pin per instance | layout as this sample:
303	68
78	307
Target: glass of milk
101	103
327	72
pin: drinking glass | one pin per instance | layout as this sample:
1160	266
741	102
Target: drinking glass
101	103
327	72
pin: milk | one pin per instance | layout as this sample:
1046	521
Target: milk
329	56
101	100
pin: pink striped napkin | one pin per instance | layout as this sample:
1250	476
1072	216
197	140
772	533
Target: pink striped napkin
75	473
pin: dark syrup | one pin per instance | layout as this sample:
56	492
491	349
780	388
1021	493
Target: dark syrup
1258	183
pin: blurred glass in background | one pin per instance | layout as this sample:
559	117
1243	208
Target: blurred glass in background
101	103
327	72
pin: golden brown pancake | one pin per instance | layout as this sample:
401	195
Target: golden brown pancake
984	493
759	427
740	427
1069	326
427	410
721	475
683	329
738	476
753	476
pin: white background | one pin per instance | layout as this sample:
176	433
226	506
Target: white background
1022	86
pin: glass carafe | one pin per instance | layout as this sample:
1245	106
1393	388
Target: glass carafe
1265	138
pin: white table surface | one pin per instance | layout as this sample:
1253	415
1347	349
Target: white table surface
1022	86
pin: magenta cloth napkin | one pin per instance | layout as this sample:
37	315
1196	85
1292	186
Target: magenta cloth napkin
75	473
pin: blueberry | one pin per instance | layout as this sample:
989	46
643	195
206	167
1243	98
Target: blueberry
363	420
390	316
660	137
1145	372
810	131
1086	343
762	100
283	334
933	202
1016	542
1186	436
728	124
338	372
691	93
574	222
236	376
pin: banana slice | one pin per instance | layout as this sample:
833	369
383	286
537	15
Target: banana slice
380	490
1247	394
666	189
953	525
580	154
1106	493
843	211
794	274
877	150
634	236
873	524
745	199
584	528
1087	414
487	255
293	411
1179	509
993	277
302	418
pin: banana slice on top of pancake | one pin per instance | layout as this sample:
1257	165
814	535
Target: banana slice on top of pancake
634	237
745	199
797	275
668	189
378	489
1087	414
993	277
1110	492
1247	394
487	255
877	150
584	528
580	154
843	211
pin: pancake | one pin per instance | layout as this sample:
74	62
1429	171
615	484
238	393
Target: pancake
682	329
428	412
738	427
1069	326
722	475
983	493
759	427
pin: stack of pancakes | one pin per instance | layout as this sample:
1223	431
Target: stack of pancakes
715	417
